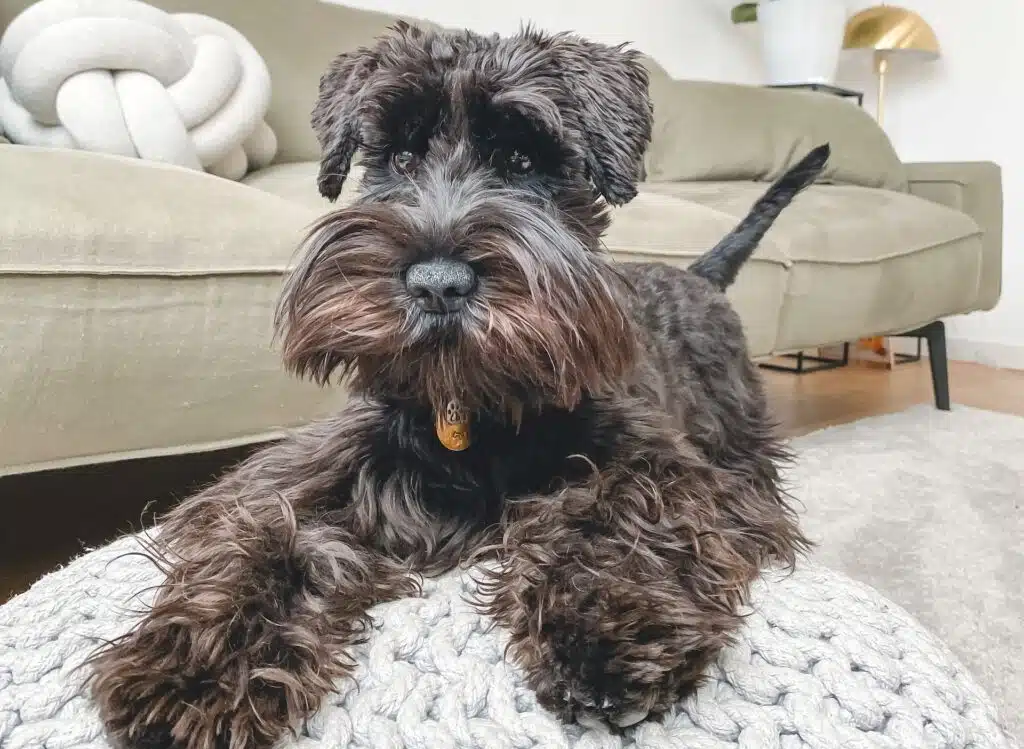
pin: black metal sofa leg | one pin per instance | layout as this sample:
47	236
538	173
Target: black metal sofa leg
935	334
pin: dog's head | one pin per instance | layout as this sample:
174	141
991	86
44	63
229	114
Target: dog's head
470	265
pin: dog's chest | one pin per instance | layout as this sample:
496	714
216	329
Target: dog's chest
503	462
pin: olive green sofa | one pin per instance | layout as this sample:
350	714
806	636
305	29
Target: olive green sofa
136	298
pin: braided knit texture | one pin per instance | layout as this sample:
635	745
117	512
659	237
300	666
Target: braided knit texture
123	77
822	661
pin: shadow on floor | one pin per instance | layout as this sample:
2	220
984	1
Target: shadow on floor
51	516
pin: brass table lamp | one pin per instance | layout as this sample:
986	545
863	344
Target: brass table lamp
888	30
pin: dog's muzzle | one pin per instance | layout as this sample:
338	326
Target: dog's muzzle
440	285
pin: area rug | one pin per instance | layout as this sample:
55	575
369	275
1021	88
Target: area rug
927	507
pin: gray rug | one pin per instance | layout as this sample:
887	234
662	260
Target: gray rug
926	507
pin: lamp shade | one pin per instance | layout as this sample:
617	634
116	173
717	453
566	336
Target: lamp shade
891	29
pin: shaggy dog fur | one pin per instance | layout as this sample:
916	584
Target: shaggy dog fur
622	469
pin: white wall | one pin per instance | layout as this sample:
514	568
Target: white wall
691	38
964	106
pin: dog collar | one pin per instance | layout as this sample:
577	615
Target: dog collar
452	426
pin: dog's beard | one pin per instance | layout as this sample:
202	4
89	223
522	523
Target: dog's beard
545	327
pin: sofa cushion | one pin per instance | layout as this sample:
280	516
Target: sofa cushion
723	131
136	303
859	259
296	183
842	224
889	261
657	226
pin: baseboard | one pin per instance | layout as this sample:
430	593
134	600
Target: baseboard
989	353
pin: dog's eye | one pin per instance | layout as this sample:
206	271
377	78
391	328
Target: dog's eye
518	162
405	161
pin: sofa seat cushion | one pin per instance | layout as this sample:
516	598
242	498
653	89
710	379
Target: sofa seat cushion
843	224
659	226
136	303
890	261
296	182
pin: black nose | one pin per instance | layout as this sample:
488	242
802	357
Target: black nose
440	284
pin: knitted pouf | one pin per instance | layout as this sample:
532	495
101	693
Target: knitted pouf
822	661
124	77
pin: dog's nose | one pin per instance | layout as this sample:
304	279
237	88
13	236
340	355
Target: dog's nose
440	284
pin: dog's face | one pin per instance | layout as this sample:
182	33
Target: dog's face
470	266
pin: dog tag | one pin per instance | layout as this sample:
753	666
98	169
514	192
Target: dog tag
452	424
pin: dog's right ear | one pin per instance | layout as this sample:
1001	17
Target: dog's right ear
610	88
337	118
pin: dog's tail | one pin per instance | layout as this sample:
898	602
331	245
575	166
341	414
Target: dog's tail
721	264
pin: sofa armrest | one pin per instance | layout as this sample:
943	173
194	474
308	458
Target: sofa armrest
136	309
976	188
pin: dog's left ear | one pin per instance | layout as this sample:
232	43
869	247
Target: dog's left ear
336	117
610	86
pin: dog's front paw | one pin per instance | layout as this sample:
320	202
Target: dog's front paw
589	695
592	674
150	695
617	652
145	705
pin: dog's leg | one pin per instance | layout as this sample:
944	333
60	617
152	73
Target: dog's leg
620	589
247	635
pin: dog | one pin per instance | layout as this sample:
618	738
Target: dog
595	428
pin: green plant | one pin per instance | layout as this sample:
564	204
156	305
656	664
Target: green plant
744	13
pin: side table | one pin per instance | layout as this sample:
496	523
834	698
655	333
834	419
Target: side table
825	88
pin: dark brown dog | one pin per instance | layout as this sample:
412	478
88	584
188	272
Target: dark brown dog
597	428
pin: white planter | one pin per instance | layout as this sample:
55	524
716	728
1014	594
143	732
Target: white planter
801	39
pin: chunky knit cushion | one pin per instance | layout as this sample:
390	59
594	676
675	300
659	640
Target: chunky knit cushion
822	661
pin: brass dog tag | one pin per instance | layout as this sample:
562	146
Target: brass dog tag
452	426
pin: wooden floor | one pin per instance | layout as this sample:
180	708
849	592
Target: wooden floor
97	503
812	401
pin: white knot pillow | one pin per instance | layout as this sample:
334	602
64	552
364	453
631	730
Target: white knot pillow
123	77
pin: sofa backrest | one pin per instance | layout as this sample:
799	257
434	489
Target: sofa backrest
722	131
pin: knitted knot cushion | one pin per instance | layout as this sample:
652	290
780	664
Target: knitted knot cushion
821	662
124	77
